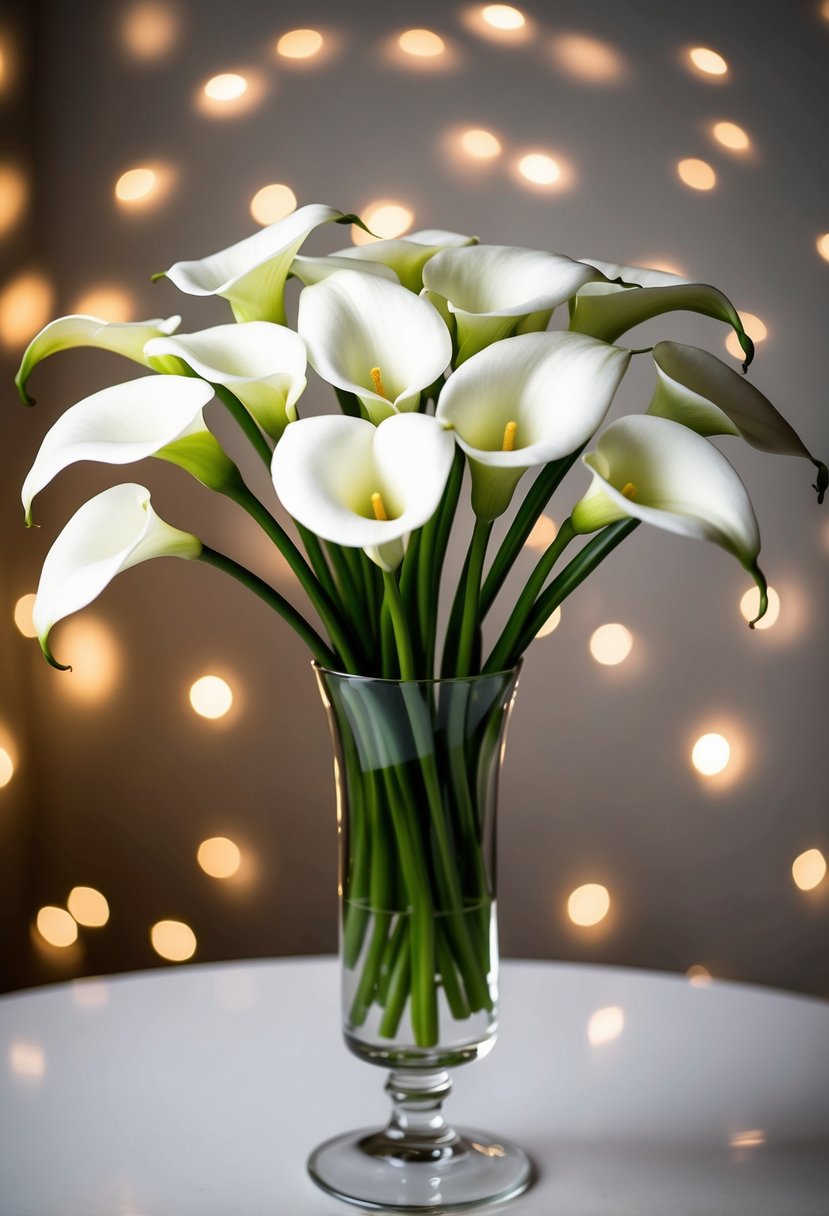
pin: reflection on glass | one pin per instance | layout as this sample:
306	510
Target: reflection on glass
588	904
605	1025
611	644
27	1059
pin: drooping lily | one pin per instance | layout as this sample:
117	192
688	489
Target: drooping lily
524	401
126	338
374	339
251	274
364	486
700	391
113	531
609	309
660	472
494	291
151	416
407	255
261	363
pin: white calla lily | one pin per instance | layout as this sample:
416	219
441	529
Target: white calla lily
609	309
374	339
407	255
126	338
524	401
113	531
664	474
310	270
700	391
152	416
494	291
364	486
261	363
251	274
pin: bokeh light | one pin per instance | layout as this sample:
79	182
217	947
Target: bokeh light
696	174
219	857
56	926
90	994
750	1139
229	94
136	185
6	767
386	218
110	303
300	44
92	650
750	606
611	644
88	906
542	534
539	168
809	869
551	624
273	202
23	615
150	30
8	63
27	1059
588	904
698	976
711	754
588	59
605	1025
503	17
26	305
822	245
756	329
731	136
480	144
707	62
211	696
423	44
14	195
227	86
173	940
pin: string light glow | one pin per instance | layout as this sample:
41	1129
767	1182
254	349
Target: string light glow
589	904
108	302
543	533
300	44
697	174
480	144
219	857
6	767
173	940
711	754
750	606
539	168
756	329
136	185
698	976
23	615
611	644
227	86
386	218
708	62
809	869
423	44
88	906
503	17
14	195
272	203
822	244
211	696
551	624
94	654
56	926
229	94
731	136
26	304
588	59
150	30
605	1025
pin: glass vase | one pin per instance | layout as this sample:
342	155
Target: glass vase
416	769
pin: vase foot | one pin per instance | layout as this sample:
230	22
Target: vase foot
467	1169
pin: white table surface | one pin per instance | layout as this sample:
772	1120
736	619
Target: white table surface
199	1091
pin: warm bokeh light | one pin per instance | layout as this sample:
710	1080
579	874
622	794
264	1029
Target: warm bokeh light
56	926
605	1025
88	906
697	174
229	94
173	940
23	615
663	264
110	303
26	305
539	168
227	86
135	185
423	44
551	624
710	754
91	648
27	1059
543	533
503	17
611	644
589	904
588	59
480	144
809	869
822	245
272	203
8	63
219	857
386	219
731	136
300	44
750	606
750	1139
708	62
699	976
150	30
6	767
756	329
211	696
14	195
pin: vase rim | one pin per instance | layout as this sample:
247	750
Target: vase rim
351	675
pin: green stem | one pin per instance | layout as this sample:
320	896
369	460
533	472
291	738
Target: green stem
471	597
398	989
245	421
432	556
273	599
405	653
316	557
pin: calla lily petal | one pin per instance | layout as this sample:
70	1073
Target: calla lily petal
124	423
542	395
310	270
700	391
124	338
251	274
374	339
261	363
495	290
608	310
659	471
407	255
113	531
328	472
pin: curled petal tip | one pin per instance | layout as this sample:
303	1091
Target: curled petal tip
748	350
51	660
760	580
821	482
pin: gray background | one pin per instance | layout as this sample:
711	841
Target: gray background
597	786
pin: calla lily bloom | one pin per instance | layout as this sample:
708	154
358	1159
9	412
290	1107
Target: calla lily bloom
660	472
310	270
525	401
494	291
364	486
251	274
700	391
113	531
261	363
374	339
124	338
609	309
152	416
407	255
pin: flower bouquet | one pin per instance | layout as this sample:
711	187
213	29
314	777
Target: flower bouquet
439	351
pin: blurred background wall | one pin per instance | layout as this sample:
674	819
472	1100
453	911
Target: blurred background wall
643	150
